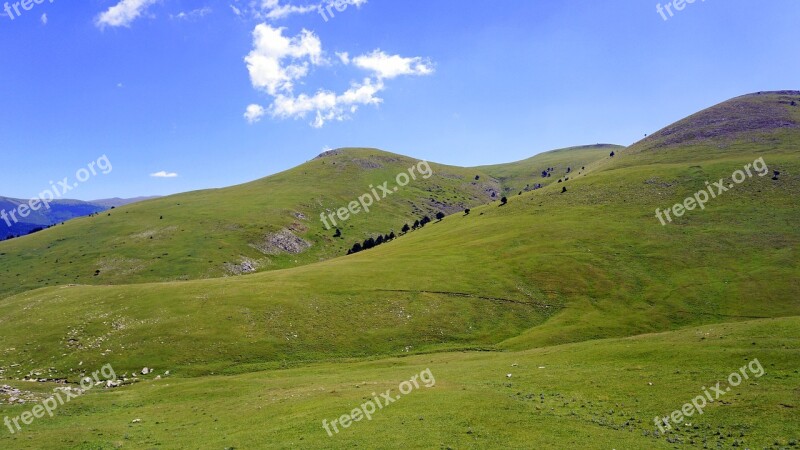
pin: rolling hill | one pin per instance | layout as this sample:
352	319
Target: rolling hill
569	314
59	211
258	226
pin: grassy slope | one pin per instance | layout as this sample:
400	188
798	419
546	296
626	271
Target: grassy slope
588	264
523	175
202	231
546	269
595	395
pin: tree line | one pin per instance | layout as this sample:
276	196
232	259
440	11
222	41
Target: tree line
372	242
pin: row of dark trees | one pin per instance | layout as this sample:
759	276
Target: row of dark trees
371	243
382	239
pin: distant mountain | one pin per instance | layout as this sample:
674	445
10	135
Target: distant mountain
116	202
58	212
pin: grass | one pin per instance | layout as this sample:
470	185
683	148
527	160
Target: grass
198	234
548	268
601	394
586	283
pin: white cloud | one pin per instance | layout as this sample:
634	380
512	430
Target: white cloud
391	66
326	105
164	174
193	14
254	113
273	10
271	48
44	18
123	13
277	63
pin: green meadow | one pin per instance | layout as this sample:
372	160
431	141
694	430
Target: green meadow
567	317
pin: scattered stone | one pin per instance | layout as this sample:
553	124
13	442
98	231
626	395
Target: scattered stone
282	242
246	266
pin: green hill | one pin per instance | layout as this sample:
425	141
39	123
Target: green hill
565	163
558	280
268	224
547	268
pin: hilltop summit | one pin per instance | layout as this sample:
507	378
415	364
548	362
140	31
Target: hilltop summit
757	113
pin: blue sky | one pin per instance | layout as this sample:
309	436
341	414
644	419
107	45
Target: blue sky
164	85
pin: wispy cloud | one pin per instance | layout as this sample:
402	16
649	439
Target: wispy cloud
191	15
274	10
164	174
391	66
123	13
